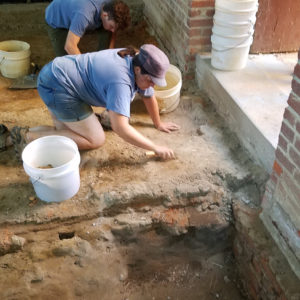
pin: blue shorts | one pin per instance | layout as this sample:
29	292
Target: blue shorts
59	101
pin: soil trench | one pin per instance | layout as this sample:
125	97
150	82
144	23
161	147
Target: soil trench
139	227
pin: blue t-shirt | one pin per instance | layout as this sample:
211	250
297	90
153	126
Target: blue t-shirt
75	15
100	78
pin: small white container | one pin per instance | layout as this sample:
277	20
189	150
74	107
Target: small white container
168	97
14	58
59	182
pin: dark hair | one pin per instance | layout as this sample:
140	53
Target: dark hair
119	12
129	50
132	51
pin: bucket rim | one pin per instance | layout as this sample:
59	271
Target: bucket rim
250	21
175	88
245	35
230	11
27	46
58	170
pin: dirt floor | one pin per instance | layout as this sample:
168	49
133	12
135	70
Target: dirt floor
139	228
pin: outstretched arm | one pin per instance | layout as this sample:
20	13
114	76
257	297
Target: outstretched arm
71	45
120	124
153	110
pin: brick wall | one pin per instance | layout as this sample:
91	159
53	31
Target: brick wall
263	269
182	27
281	203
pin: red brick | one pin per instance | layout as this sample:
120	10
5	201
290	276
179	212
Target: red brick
292	101
274	178
173	217
289	116
284	161
200	22
210	12
194	32
194	13
296	87
277	168
295	157
200	41
287	132
203	3
282	143
256	264
253	295
290	185
271	277
253	277
206	32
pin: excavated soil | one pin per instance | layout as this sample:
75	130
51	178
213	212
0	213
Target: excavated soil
139	227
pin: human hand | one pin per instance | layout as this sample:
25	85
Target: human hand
168	127
164	152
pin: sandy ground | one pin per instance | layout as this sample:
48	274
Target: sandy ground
139	227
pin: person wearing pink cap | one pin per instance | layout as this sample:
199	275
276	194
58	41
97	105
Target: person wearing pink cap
72	84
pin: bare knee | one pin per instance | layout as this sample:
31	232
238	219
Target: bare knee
97	143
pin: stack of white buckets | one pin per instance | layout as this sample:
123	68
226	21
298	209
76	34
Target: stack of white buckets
232	33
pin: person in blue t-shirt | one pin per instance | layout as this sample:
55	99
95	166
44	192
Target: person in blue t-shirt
72	84
68	20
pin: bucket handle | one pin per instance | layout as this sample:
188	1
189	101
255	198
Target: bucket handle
243	41
53	176
36	180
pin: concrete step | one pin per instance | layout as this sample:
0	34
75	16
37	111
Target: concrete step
251	100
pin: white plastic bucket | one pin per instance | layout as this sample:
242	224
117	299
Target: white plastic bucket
230	41
59	182
14	58
230	58
229	29
168	97
234	17
239	5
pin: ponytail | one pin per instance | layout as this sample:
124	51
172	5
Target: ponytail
130	50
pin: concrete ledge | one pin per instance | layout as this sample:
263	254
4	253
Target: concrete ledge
252	100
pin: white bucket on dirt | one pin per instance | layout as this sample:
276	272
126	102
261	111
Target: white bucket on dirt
234	17
230	58
52	162
14	58
237	4
168	97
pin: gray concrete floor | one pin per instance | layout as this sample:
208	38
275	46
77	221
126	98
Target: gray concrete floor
252	100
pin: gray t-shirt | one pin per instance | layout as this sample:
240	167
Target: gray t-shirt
75	15
100	79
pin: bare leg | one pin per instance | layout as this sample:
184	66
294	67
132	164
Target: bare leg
87	134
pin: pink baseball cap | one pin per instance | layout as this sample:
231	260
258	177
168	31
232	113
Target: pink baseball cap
155	62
